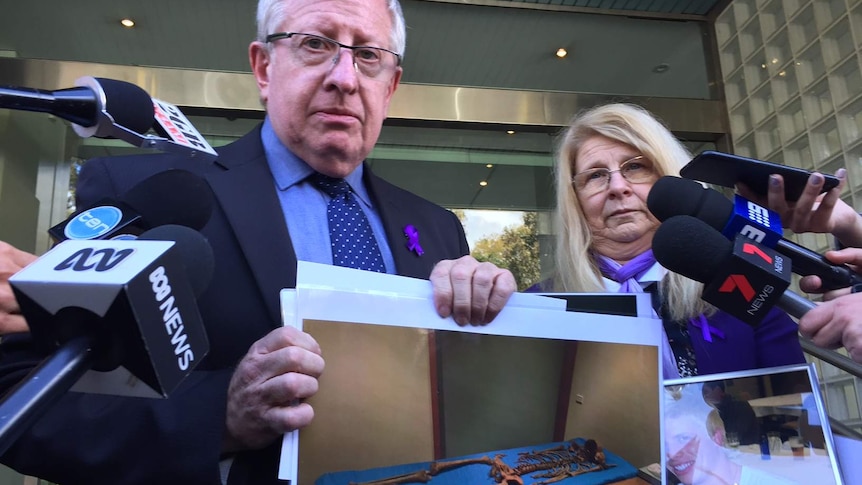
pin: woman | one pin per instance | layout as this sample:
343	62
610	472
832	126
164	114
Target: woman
607	161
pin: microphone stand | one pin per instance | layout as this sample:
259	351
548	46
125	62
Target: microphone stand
42	387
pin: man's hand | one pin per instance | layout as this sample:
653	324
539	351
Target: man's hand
852	257
265	392
470	291
836	323
12	260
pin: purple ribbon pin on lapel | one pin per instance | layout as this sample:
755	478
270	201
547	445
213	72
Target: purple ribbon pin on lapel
413	239
706	329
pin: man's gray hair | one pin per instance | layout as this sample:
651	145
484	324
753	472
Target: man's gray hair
272	13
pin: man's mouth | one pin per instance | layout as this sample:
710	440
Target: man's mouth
337	114
682	467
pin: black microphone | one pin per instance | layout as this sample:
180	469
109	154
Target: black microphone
93	105
672	196
176	197
193	249
110	306
107	108
743	278
134	299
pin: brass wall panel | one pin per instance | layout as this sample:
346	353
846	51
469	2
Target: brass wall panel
414	102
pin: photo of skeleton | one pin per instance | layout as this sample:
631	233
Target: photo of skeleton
550	392
408	405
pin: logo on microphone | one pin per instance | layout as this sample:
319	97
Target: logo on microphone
90	259
738	282
93	223
749	248
758	214
750	282
754	222
178	128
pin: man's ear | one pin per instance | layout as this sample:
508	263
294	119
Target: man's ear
718	436
393	84
259	59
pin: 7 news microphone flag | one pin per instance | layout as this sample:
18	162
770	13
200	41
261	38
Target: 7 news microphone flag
743	277
674	196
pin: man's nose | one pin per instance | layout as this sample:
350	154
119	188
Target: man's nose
343	72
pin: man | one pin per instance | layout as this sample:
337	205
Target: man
694	440
738	416
326	101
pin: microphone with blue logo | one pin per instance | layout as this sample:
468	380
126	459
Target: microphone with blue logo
673	196
742	277
108	316
176	197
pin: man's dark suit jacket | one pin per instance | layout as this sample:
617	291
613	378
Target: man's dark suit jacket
92	439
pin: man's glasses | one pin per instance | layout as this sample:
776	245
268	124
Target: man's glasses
313	50
635	170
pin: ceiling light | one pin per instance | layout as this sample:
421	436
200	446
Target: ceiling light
483	183
490	165
661	68
561	53
510	132
128	23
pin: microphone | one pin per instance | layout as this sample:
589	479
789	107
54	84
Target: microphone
107	108
119	307
672	196
743	278
193	249
133	299
176	197
93	106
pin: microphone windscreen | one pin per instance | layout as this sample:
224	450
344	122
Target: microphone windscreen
194	251
172	197
675	196
688	246
129	105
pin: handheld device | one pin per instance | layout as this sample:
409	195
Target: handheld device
727	170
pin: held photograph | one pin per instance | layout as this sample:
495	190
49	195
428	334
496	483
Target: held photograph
754	427
542	395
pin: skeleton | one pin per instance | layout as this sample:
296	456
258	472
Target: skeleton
554	464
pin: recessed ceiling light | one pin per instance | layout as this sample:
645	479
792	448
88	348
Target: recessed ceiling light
489	165
561	53
128	23
483	183
661	68
510	132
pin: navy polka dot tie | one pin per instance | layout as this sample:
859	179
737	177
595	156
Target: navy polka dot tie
353	243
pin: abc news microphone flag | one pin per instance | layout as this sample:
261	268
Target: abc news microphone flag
133	295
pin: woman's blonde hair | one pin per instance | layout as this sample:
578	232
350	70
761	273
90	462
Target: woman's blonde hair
637	128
